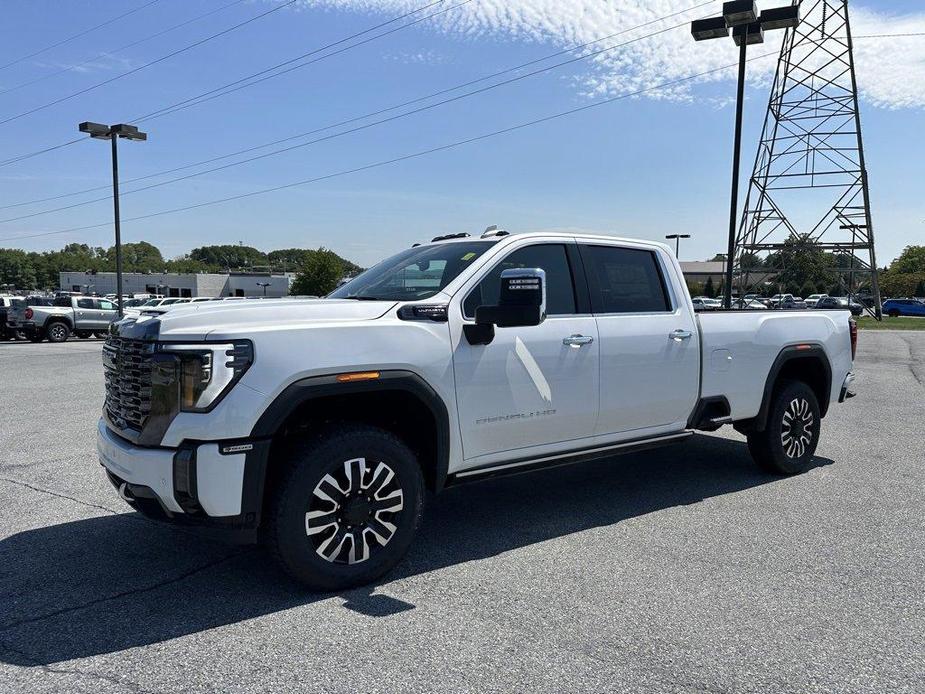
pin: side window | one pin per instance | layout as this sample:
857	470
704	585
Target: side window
62	301
560	292
85	303
107	305
624	280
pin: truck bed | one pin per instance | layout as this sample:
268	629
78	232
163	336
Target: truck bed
740	347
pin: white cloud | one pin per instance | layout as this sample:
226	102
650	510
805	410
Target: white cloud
891	72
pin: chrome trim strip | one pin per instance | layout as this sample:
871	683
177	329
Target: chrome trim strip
574	454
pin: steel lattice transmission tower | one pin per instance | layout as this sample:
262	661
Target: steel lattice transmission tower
809	183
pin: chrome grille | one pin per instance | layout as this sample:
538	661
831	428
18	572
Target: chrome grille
127	366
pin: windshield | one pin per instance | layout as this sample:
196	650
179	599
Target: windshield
151	302
417	273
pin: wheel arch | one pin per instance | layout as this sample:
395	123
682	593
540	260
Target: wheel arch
808	363
400	401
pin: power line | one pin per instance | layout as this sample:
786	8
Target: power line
29	155
382	111
355	129
406	157
889	36
198	99
172	54
115	51
78	35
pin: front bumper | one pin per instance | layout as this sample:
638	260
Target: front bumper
217	484
847	389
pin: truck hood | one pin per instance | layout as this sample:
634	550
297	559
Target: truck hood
237	319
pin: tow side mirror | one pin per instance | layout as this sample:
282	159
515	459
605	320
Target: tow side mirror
521	303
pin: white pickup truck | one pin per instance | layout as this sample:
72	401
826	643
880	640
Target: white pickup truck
317	426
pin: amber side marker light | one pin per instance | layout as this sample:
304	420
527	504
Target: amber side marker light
358	376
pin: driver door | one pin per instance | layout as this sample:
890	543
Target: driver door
532	386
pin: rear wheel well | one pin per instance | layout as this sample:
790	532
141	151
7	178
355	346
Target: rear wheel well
811	368
398	411
811	371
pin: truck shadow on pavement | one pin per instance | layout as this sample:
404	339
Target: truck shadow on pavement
114	582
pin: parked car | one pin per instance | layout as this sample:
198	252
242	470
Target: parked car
834	303
749	305
6	303
705	303
319	425
154	303
903	307
781	301
83	316
813	298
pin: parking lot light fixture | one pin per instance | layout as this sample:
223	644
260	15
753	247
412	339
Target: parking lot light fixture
264	285
99	131
677	243
748	28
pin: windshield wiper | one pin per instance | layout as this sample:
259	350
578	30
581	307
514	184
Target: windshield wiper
366	298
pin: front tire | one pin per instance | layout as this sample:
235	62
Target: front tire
789	441
347	507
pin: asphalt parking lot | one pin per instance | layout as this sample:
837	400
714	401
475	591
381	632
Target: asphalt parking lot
679	570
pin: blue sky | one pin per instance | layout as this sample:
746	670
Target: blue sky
639	167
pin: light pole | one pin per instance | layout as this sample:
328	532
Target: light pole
677	243
113	133
747	28
264	285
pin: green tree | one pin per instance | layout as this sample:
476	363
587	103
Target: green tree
911	260
708	289
920	289
137	257
228	256
319	274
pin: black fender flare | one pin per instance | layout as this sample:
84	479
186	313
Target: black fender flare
307	389
787	355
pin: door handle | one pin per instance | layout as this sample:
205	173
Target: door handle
577	340
680	335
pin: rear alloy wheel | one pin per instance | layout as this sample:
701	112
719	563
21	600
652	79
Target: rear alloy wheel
789	442
57	332
348	508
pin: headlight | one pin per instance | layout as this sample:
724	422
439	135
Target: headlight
207	371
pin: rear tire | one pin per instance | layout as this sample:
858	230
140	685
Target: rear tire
893	313
57	332
347	507
788	443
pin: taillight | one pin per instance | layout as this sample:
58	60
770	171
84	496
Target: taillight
28	314
853	327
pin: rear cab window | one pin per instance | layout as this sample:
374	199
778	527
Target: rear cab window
625	280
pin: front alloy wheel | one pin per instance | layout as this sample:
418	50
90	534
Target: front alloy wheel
346	507
353	511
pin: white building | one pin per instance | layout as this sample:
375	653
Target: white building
179	284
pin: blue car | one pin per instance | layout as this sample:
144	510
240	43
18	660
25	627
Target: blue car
903	307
